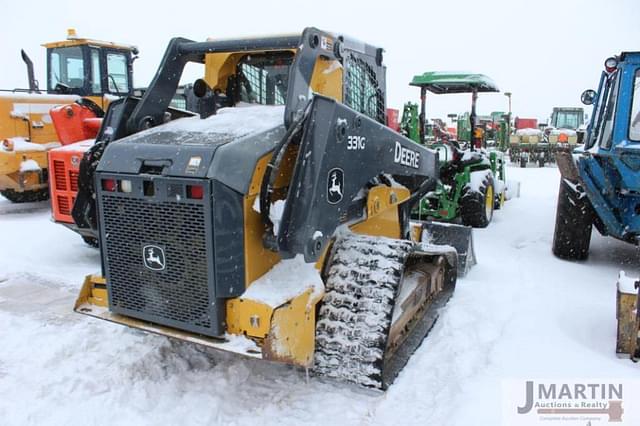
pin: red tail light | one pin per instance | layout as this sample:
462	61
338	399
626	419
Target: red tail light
195	191
109	185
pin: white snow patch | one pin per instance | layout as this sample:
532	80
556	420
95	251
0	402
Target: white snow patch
29	166
627	284
286	280
23	145
275	214
528	132
235	121
476	179
568	132
80	146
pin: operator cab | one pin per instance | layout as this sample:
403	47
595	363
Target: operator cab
89	67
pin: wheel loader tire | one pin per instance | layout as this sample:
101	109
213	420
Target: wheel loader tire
574	221
26	196
476	207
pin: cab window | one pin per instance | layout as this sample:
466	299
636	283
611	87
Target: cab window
67	67
117	73
567	120
634	120
263	79
606	131
362	89
96	83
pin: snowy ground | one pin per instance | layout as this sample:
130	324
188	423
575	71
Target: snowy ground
519	314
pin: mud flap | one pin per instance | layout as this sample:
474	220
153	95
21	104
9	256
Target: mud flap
567	166
457	236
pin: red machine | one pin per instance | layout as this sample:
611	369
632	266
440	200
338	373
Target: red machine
393	119
526	123
77	126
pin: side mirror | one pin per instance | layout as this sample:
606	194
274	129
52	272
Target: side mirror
588	96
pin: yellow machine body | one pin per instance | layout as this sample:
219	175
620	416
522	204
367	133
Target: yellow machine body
26	129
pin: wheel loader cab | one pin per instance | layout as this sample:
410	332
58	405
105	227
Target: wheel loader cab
83	68
97	71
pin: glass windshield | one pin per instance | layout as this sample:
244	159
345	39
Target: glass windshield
67	67
117	73
263	79
634	124
567	120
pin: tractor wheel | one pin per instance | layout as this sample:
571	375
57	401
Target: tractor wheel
523	161
476	205
574	220
26	196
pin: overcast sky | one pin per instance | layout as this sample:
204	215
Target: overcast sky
545	52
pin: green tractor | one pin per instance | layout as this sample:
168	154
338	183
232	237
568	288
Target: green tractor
472	181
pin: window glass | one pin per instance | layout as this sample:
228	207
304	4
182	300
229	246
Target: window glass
609	118
567	120
117	73
263	79
67	67
634	124
96	84
362	92
598	112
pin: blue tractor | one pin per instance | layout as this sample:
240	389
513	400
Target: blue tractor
600	184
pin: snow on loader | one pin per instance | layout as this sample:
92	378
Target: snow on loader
600	183
472	182
278	227
80	70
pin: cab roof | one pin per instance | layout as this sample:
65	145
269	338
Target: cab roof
441	82
74	40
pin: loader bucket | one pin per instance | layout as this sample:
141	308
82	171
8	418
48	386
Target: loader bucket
457	236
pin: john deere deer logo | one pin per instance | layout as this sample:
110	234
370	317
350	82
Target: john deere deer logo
335	186
153	257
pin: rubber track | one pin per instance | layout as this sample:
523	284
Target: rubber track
354	319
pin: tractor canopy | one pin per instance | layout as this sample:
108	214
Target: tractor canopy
442	82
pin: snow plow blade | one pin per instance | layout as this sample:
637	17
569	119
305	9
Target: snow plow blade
457	236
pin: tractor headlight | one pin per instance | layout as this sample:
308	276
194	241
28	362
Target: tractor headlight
611	64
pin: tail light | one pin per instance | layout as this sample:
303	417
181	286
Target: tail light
195	192
109	185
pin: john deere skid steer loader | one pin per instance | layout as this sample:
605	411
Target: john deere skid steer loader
278	227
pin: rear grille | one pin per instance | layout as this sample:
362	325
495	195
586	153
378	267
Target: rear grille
176	296
63	205
59	172
73	180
